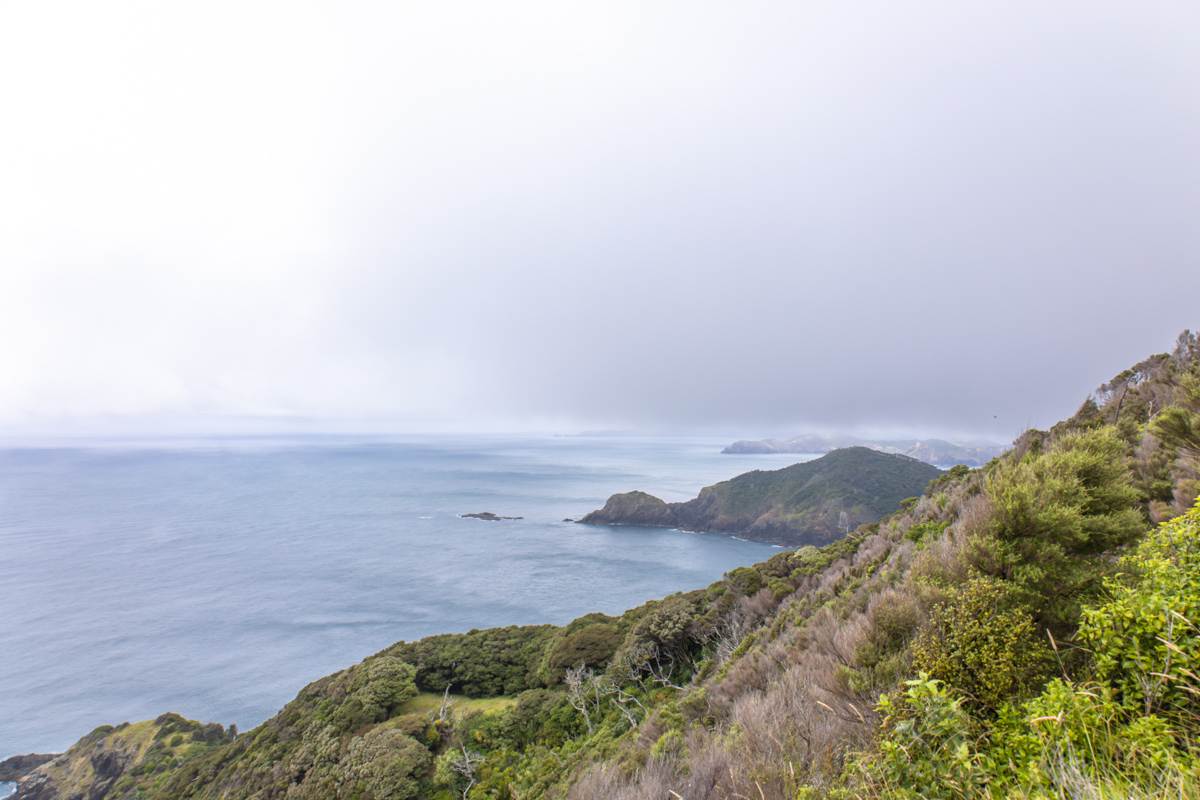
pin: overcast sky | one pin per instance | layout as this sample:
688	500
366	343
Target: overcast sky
750	217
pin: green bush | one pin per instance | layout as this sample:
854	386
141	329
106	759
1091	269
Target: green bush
542	716
926	746
1179	428
385	765
926	530
892	624
744	580
984	644
480	663
591	645
378	687
1145	636
1128	731
1076	735
663	637
1052	513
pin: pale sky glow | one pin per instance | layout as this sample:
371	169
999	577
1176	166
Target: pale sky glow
943	216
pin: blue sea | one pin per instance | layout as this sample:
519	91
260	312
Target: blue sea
216	577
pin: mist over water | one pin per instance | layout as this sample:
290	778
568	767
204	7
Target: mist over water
216	577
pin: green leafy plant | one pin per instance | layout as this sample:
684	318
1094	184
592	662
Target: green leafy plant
984	643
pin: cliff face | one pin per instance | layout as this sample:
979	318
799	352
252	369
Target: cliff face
809	503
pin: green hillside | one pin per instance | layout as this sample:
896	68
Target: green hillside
813	502
1028	629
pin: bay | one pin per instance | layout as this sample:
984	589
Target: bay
215	577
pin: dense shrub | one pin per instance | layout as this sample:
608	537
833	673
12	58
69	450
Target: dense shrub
1072	737
481	663
882	658
1180	428
926	747
744	580
591	645
662	638
1145	636
1128	730
543	716
925	530
984	644
1051	512
385	765
378	688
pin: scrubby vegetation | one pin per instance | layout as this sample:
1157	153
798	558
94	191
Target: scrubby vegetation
1123	725
1026	629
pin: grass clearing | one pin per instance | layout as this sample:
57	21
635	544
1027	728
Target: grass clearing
431	701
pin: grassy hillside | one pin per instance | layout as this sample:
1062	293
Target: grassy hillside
1027	629
813	502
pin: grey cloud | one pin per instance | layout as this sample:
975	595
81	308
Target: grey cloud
939	216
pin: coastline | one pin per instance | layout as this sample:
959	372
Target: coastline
314	530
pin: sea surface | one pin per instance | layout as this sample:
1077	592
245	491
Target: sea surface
216	577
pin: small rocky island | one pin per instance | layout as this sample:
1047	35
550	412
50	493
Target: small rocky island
487	515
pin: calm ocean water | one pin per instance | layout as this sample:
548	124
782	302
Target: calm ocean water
216	577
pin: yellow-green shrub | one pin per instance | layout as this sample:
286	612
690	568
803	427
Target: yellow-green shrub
1145	638
984	644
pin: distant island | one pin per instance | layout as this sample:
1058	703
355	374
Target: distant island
938	452
813	502
487	515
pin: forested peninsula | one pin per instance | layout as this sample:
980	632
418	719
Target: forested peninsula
813	502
